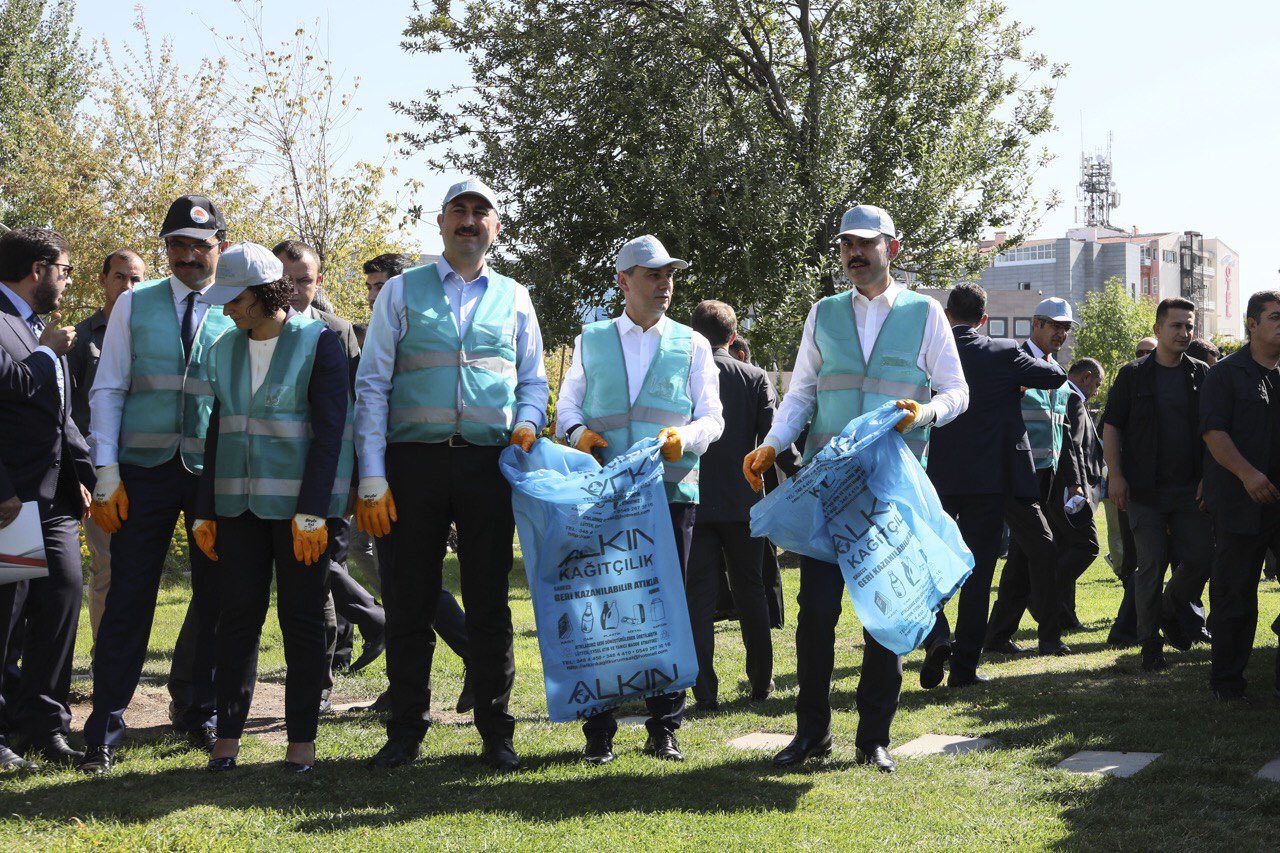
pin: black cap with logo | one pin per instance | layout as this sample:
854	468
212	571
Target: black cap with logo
193	216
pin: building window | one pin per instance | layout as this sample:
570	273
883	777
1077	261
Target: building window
1021	327
1023	254
1147	254
1170	256
1024	285
998	327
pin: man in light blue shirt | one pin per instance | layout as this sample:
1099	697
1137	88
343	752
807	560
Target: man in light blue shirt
450	373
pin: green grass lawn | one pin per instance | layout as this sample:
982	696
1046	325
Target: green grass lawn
1200	795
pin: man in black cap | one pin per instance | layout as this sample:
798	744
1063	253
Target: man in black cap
150	409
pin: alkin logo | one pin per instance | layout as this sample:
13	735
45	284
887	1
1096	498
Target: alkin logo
640	681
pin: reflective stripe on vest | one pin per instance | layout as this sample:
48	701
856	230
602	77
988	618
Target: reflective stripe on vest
435	366
264	437
169	400
1045	414
848	386
663	400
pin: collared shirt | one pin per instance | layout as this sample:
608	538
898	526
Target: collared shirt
639	346
111	386
1075	389
939	360
1037	353
27	312
387	327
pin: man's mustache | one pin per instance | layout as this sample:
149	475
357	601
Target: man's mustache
467	232
859	262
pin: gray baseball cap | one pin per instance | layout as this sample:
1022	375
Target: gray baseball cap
1056	309
646	251
866	220
241	266
471	186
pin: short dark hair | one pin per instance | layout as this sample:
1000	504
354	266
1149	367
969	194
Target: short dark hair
1258	301
118	253
715	321
1086	365
1167	305
22	247
275	295
296	250
1200	349
391	263
967	302
740	347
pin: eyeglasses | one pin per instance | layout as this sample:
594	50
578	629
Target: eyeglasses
199	247
67	269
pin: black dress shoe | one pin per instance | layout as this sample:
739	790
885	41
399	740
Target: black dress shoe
467	698
221	765
663	746
54	749
295	768
204	738
499	754
1153	657
877	756
370	652
1058	651
396	753
761	694
599	749
710	706
1072	623
1008	647
381	705
934	660
11	761
97	759
964	679
802	748
1175	633
1231	694
1121	641
1202	635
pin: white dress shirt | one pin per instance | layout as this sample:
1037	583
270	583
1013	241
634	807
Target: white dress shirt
388	326
260	353
639	346
111	385
939	360
26	312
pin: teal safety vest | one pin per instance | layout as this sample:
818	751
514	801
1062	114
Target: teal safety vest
848	386
263	437
169	400
1045	414
435	366
663	400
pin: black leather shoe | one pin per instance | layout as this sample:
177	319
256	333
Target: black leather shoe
964	679
499	754
663	746
878	756
599	749
369	652
1202	635
1121	641
203	738
1072	623
710	706
934	660
1008	647
54	749
467	698
10	761
1058	651
1231	694
381	705
1153	657
761	694
802	748
1175	633
396	753
295	768
221	765
97	759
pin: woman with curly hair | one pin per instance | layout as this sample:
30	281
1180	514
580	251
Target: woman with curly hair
278	463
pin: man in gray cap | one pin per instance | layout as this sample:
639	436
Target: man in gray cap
649	376
450	374
879	343
1029	578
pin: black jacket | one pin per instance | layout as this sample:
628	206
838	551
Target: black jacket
1081	461
985	450
83	361
38	438
347	337
1234	400
1131	408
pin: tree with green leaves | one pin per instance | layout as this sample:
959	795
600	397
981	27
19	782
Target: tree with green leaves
1111	322
737	131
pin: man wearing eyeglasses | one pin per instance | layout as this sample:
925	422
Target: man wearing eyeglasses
149	410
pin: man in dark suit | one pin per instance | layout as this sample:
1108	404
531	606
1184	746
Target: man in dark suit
43	458
723	525
1077	488
981	465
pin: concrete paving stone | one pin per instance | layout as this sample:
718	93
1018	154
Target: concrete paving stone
1271	771
761	740
942	745
1101	763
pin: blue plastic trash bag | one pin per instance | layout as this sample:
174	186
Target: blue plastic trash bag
865	503
604	575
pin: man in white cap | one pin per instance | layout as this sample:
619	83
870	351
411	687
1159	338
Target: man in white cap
876	344
450	374
638	376
1030	575
149	411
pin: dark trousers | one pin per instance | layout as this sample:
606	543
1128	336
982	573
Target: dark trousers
744	557
353	606
156	496
38	620
1233	599
1125	628
981	522
666	712
1029	579
436	485
1165	522
821	594
1077	546
249	548
451	621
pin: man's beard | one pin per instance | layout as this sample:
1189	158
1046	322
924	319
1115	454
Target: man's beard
45	296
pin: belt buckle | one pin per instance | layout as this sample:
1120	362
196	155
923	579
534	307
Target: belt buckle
460	441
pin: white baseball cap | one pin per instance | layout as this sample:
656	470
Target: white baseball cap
471	186
646	251
1055	308
241	266
866	220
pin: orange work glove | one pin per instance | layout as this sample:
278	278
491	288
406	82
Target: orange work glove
375	508
589	440
310	538
524	436
755	463
672	444
912	409
110	506
205	532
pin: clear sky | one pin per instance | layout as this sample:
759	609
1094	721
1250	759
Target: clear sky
1189	90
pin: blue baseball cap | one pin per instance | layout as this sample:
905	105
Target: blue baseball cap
866	220
1056	309
242	266
646	251
471	186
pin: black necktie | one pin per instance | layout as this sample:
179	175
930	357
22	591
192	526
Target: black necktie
189	325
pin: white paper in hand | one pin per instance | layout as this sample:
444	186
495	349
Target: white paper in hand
22	547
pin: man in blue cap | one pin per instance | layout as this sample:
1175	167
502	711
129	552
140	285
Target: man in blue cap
878	343
648	376
451	373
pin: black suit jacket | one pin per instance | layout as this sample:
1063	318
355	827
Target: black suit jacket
346	336
38	438
985	450
1080	462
